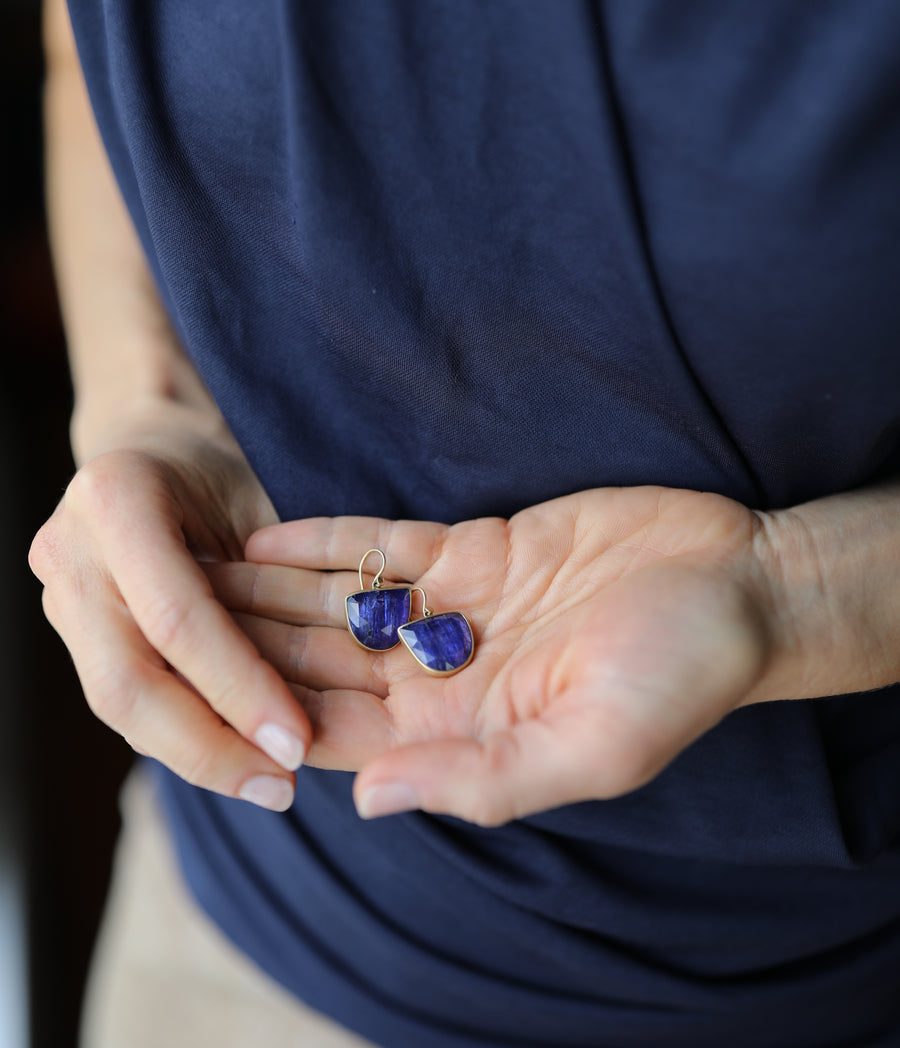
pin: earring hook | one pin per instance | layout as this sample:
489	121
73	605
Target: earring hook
426	611
378	581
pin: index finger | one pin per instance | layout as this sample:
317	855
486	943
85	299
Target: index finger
173	604
410	547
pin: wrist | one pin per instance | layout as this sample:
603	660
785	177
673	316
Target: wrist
831	571
144	421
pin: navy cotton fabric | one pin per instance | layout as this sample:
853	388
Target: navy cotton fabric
445	258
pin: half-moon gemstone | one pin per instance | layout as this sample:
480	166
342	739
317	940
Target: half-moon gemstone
374	616
441	643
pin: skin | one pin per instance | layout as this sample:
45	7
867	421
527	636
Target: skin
613	627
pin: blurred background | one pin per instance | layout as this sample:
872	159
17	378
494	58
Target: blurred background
59	768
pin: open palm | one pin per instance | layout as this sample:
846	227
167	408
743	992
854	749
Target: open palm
612	628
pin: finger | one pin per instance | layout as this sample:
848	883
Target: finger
528	768
316	657
485	782
292	595
129	687
350	728
338	543
174	607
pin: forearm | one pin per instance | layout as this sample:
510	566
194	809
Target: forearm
126	361
833	567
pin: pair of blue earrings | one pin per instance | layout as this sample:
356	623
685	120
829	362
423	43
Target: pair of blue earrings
379	619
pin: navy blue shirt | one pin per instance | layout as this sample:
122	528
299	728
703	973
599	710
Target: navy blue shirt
445	258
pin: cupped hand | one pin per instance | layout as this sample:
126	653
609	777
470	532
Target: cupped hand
159	658
612	628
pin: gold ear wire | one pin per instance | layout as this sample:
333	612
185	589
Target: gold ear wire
378	581
426	611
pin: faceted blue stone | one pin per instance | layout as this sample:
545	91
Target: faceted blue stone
374	616
440	643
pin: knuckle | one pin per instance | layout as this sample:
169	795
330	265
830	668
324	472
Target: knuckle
486	812
384	533
500	756
436	544
486	804
256	589
94	488
167	621
198	767
98	489
112	695
297	652
229	698
329	593
46	555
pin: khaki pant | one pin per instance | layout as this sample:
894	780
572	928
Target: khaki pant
164	976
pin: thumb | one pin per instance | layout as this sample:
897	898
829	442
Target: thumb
519	771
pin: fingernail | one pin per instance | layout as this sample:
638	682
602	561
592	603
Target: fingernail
388	799
268	792
284	748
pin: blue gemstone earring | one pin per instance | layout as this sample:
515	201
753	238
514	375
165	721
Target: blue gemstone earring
374	616
441	644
